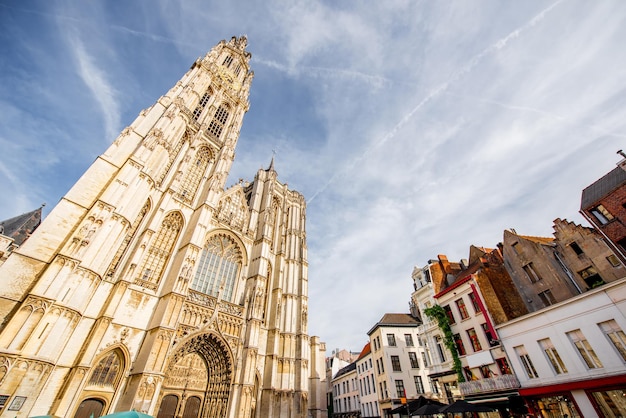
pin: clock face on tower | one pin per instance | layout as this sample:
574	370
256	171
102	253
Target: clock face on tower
228	77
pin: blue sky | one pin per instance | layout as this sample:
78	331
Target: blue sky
413	128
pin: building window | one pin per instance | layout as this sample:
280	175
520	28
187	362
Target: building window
474	300
611	403
201	105
218	268
391	340
400	388
395	364
419	385
460	304
584	348
408	338
576	248
601	214
613	260
449	313
524	358
160	249
516	248
615	334
227	61
195	172
440	350
425	359
415	364
459	344
471	333
218	121
547	298
591	277
468	374
503	365
490	337
553	356
485	371
107	371
531	273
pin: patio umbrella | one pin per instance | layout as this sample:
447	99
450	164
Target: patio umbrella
414	404
428	409
127	414
463	406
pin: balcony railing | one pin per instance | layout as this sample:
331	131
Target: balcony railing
426	326
491	384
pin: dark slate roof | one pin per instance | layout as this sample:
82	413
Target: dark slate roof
602	187
345	370
20	227
395	320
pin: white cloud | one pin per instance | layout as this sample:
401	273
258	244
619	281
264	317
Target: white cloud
412	128
96	80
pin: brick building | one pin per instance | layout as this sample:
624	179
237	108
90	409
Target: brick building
603	204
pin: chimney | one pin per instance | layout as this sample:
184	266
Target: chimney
445	264
622	164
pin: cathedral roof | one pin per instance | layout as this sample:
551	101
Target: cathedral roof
20	227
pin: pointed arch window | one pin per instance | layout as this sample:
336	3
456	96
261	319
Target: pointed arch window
195	171
202	104
219	120
160	249
227	61
219	267
107	371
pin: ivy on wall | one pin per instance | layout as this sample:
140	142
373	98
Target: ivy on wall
438	313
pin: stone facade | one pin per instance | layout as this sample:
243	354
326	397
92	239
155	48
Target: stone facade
548	270
152	287
603	204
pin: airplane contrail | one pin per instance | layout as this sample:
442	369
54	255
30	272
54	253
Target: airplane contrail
499	44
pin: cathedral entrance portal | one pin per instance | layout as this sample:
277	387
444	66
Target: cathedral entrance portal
198	380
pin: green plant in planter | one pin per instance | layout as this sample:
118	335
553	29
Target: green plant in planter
438	313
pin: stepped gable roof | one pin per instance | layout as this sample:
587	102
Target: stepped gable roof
538	240
602	187
20	227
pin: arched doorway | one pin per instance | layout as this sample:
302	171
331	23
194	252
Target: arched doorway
192	407
199	374
89	408
168	407
102	382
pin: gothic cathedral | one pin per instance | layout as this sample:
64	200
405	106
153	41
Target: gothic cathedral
151	287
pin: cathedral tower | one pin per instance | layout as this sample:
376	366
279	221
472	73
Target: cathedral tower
152	287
